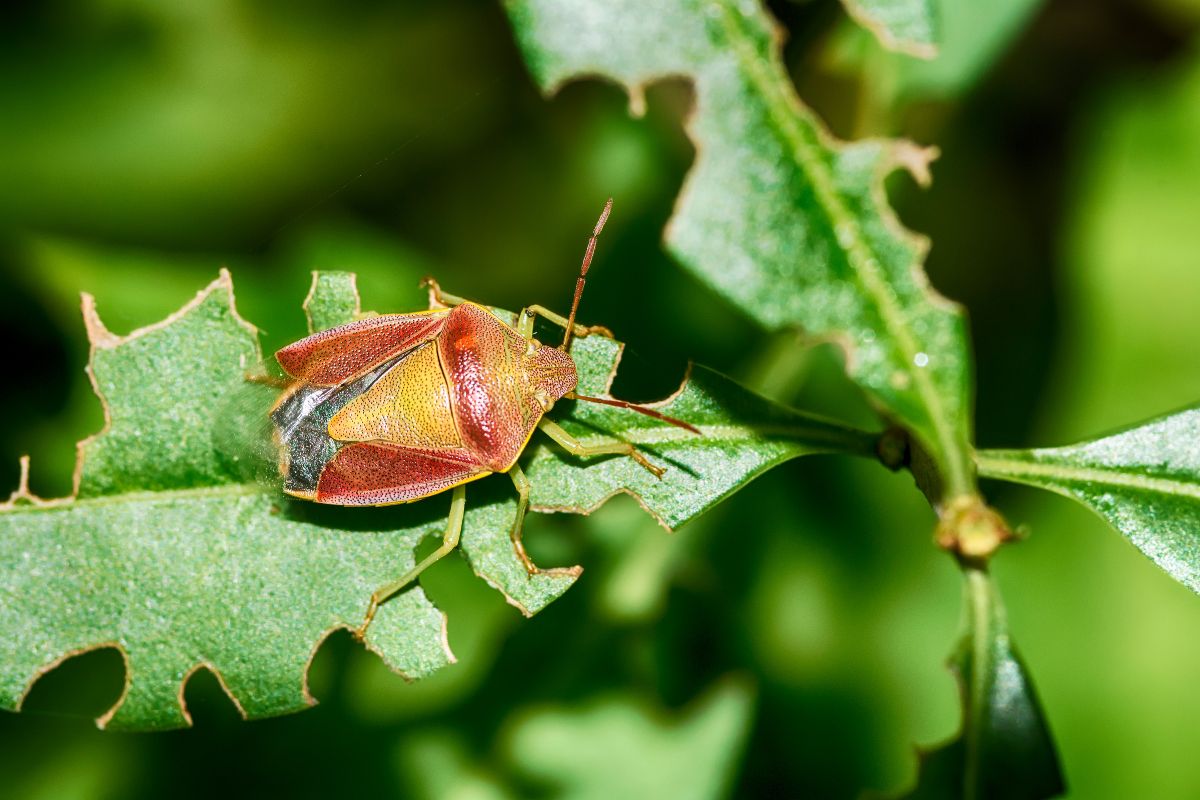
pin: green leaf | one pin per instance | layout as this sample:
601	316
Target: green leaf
778	217
742	435
170	552
1145	481
1004	749
333	300
906	26
173	552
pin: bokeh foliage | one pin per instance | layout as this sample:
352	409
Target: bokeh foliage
144	147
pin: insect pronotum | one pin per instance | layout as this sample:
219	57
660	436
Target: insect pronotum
399	407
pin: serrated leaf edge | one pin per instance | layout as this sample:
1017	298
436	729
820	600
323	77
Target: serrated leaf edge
312	292
886	38
101	338
897	153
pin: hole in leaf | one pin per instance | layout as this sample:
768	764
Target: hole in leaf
84	685
207	702
327	670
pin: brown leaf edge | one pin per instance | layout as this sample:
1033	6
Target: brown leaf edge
896	154
101	338
885	36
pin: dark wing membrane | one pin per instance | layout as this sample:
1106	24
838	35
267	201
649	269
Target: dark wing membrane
338	354
375	474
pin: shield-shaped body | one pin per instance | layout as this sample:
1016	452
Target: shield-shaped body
399	407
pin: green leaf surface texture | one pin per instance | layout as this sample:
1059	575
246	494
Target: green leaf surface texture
906	26
1145	481
778	217
1004	749
175	551
741	436
171	554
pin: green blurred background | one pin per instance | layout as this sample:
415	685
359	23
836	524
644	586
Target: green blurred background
788	644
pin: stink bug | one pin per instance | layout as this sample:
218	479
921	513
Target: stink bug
399	407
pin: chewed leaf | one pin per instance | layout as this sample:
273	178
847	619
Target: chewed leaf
1145	481
741	435
906	26
172	556
1004	749
332	300
213	577
778	217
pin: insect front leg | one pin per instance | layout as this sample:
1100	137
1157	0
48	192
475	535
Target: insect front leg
578	448
438	298
522	485
458	507
525	322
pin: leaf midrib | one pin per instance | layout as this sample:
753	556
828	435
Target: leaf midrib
779	106
850	441
1015	469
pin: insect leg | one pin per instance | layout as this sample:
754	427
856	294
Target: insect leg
525	322
266	379
458	506
438	298
578	448
522	484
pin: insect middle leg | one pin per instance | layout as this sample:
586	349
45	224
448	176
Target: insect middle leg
522	485
578	448
458	507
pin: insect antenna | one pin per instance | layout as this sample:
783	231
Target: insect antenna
649	412
583	269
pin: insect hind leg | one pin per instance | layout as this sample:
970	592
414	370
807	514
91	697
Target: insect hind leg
458	506
578	448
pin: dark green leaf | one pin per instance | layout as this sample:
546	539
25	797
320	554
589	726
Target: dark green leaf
776	215
1004	750
1145	481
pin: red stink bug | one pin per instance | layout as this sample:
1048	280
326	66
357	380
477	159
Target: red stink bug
399	407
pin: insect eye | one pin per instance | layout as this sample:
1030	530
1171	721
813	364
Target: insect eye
543	400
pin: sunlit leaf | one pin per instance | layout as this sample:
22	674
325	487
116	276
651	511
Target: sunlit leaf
777	216
741	436
173	554
1145	481
174	551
